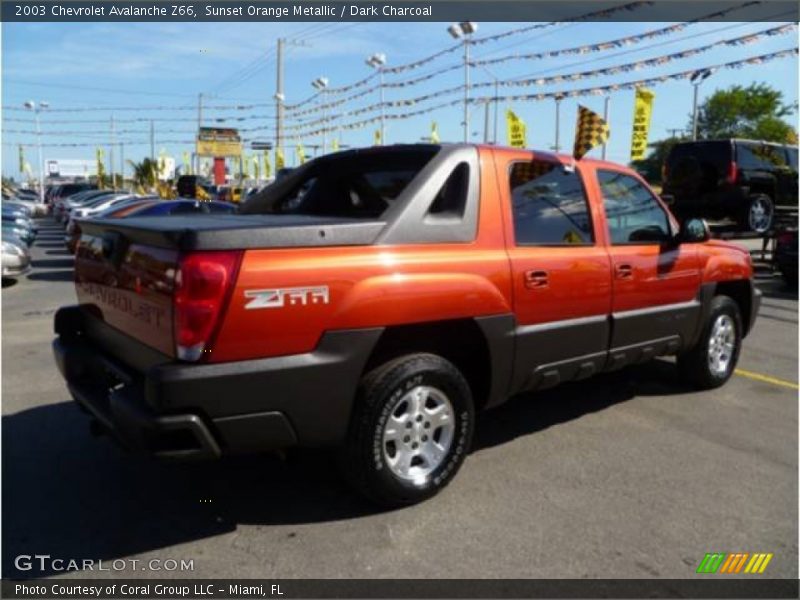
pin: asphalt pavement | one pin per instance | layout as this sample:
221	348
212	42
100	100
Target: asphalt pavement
630	474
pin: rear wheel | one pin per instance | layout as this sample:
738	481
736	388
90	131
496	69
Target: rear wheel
411	430
711	362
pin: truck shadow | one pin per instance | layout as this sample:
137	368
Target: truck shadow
71	496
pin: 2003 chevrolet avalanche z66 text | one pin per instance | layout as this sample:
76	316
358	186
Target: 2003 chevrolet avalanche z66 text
373	300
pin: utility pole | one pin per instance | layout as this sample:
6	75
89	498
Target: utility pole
486	122
152	141
605	118
111	157
122	162
559	98
279	97
378	61
199	112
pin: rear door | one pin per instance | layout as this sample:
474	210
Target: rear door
560	269
656	282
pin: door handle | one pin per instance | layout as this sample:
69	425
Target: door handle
624	271
536	279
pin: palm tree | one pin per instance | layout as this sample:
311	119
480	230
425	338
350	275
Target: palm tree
144	175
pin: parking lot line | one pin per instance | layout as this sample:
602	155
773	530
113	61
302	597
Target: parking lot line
767	379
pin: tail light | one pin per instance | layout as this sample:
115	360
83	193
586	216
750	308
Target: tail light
202	288
733	172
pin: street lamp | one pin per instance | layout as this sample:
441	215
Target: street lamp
696	79
464	30
321	84
31	105
377	61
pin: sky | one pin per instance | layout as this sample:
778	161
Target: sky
156	71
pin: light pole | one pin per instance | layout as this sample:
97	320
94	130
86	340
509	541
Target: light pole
464	30
496	106
559	98
37	108
378	61
320	84
696	79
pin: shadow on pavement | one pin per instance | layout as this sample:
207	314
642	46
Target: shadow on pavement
63	275
53	263
74	496
9	282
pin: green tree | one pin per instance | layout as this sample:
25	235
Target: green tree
754	112
144	174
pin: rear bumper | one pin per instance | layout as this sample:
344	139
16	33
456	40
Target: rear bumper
180	410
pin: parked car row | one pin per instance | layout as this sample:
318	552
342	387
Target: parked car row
19	232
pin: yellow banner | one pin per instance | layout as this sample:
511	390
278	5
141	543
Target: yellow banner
435	133
301	153
335	145
378	140
101	171
642	111
267	166
517	135
244	166
280	161
187	164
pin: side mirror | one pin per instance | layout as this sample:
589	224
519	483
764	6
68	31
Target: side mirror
694	231
668	199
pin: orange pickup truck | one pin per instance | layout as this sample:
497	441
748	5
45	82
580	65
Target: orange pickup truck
373	300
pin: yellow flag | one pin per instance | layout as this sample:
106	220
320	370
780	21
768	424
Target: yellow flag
301	153
187	165
378	140
517	133
335	144
267	166
642	111
244	162
590	131
280	162
256	165
435	133
21	159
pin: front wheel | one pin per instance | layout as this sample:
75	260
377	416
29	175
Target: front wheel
411	430
711	362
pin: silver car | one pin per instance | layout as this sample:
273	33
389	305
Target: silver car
16	258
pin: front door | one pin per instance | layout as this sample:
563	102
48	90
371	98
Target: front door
656	282
561	275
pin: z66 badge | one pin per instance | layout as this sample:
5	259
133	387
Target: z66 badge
278	298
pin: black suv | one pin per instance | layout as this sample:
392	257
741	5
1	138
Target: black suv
753	183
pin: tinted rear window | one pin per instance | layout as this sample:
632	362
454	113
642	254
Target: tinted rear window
708	155
357	186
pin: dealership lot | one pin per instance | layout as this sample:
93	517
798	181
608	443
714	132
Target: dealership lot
630	474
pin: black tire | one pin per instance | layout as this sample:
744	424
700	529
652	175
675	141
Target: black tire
365	457
747	220
695	364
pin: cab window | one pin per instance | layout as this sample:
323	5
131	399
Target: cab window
549	205
634	215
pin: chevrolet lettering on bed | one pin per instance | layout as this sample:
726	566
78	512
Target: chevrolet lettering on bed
372	301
